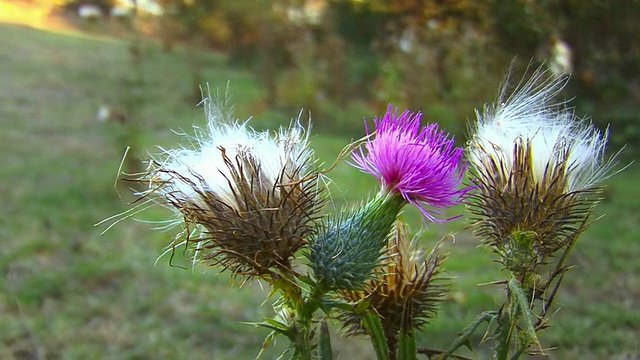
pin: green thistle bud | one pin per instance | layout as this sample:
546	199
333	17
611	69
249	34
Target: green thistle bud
348	248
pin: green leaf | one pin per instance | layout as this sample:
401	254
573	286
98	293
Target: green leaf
277	324
276	327
465	334
527	316
306	279
327	304
373	325
267	341
324	342
362	306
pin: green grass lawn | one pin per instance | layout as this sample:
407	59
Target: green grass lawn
66	292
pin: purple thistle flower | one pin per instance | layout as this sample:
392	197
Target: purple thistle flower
419	163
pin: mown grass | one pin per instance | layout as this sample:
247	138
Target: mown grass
67	292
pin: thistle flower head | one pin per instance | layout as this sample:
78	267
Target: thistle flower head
536	168
252	194
406	293
419	163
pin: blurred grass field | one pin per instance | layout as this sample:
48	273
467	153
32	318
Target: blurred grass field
68	293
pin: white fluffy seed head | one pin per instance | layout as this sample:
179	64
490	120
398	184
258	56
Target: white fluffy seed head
531	115
186	173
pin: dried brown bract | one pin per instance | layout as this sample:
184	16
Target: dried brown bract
405	293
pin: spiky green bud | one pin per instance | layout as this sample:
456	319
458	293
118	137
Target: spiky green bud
349	247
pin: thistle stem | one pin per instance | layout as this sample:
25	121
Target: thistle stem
306	307
372	324
302	344
300	332
516	310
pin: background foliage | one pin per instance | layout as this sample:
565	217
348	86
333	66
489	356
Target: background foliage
438	56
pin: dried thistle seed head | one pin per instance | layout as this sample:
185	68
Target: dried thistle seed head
553	132
509	203
406	293
536	168
251	195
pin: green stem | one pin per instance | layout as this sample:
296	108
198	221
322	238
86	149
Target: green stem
407	345
517	320
302	345
305	309
518	354
523	310
300	332
559	272
373	325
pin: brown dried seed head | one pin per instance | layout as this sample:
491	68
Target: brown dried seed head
508	199
260	225
406	293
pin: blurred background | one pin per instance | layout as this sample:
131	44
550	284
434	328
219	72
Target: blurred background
83	80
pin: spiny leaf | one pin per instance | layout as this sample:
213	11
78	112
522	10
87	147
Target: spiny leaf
527	316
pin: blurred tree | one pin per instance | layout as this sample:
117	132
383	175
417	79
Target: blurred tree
256	34
74	5
261	38
604	39
425	54
195	23
421	54
358	25
332	54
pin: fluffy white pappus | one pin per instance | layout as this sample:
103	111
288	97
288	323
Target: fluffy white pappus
531	115
185	173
